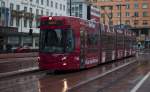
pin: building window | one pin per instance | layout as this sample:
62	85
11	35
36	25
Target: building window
145	5
136	22
80	6
76	8
127	22
37	11
30	23
17	22
127	14
31	0
27	41
64	7
145	14
47	2
51	3
56	5
118	7
110	15
51	13
47	13
103	15
41	12
18	7
37	23
30	10
145	22
37	1
25	22
136	5
72	9
2	3
60	6
12	22
25	9
11	6
102	8
127	6
110	8
136	14
41	2
76	14
118	14
80	15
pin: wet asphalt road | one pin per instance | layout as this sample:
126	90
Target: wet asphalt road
120	81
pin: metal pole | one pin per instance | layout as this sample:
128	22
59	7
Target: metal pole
120	15
120	8
89	12
104	16
110	16
70	7
21	35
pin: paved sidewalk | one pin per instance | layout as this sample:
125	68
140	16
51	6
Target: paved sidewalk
18	64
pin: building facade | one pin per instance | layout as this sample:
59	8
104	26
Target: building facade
135	13
23	15
83	9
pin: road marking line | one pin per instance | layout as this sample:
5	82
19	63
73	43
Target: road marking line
101	75
140	83
17	60
18	71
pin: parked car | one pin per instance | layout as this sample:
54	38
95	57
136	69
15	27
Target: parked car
23	49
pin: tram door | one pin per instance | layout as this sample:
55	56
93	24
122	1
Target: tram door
82	50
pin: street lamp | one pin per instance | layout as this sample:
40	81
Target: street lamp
89	11
70	7
120	8
21	15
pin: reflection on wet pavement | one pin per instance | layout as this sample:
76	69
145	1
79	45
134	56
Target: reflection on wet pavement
74	78
23	84
117	82
65	88
59	82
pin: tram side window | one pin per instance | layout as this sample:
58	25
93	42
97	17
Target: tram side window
92	39
42	38
111	29
70	40
110	40
82	37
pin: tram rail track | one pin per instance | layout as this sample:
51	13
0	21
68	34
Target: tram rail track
80	86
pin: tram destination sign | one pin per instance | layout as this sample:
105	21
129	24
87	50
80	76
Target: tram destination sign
51	23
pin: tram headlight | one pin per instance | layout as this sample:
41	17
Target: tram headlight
50	18
64	58
64	64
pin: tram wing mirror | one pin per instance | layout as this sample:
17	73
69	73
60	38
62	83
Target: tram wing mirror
30	31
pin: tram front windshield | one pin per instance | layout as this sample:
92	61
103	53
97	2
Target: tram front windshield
56	41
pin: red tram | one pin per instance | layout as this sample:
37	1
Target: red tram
68	43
